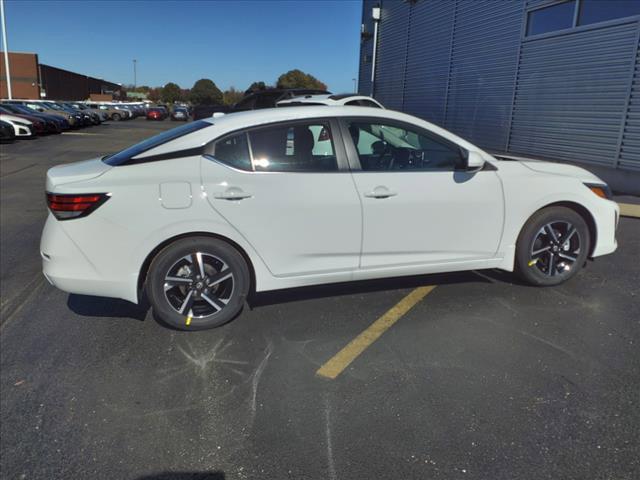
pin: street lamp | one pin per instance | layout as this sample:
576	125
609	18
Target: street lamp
135	74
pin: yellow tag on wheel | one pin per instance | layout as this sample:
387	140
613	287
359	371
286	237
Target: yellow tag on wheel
531	264
188	322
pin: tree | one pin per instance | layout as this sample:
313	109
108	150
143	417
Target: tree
205	92
170	93
232	96
256	86
154	95
298	79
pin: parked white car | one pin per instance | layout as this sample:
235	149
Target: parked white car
340	100
22	127
199	215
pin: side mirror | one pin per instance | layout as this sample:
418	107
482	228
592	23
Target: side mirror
474	161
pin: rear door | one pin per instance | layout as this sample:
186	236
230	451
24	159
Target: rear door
295	202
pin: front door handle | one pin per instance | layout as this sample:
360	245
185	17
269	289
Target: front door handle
380	192
232	193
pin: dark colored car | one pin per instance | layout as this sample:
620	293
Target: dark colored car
59	123
7	133
156	113
180	113
40	126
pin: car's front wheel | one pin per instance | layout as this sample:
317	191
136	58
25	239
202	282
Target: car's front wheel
197	283
552	247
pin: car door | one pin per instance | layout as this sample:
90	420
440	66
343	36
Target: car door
419	205
299	210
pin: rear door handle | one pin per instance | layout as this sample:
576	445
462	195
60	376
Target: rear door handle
380	192
232	193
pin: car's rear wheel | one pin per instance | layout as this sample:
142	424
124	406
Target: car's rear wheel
116	117
198	283
552	247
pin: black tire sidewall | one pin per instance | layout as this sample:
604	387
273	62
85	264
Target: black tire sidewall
533	275
169	255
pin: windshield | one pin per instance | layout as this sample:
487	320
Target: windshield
123	157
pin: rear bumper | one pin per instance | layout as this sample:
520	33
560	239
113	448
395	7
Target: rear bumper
66	267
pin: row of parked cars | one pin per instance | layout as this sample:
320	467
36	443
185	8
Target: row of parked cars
29	118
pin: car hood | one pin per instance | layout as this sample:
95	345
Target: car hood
561	169
75	172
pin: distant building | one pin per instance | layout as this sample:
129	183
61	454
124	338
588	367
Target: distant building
555	79
32	80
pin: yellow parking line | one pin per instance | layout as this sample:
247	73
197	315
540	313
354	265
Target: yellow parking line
629	210
341	360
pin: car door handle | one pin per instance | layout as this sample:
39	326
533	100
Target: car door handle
380	192
232	193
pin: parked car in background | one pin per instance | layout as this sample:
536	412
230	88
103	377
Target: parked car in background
21	127
41	126
205	111
84	119
112	113
156	113
59	122
343	99
180	113
270	97
7	133
96	113
198	256
75	120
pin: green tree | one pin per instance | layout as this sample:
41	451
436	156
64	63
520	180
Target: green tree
256	86
298	79
170	93
154	94
205	92
232	96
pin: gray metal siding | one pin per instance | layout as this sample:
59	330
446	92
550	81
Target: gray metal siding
630	142
366	49
428	54
571	95
392	53
483	68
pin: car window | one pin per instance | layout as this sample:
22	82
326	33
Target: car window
383	147
299	147
368	103
233	151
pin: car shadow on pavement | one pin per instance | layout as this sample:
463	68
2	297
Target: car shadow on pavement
260	299
91	306
217	475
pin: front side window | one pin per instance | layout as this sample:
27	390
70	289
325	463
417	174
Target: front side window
383	147
299	147
552	18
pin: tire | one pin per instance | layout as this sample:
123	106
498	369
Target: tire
116	117
190	303
552	247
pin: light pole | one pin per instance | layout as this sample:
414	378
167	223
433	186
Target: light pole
135	74
355	88
6	50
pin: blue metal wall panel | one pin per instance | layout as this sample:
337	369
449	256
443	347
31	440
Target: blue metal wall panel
392	53
483	67
571	94
366	49
429	49
630	143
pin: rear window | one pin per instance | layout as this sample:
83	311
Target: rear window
123	157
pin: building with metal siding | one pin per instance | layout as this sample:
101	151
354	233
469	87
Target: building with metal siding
476	68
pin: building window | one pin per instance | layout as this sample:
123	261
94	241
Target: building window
593	11
550	19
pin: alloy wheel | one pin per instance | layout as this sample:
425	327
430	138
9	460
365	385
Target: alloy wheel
555	248
199	285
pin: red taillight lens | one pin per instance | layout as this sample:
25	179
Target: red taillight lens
67	206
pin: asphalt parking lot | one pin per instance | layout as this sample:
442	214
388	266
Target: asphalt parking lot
481	378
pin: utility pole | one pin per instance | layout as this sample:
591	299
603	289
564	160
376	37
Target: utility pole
6	50
355	89
135	74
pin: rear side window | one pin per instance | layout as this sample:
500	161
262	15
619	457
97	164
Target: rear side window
124	157
234	151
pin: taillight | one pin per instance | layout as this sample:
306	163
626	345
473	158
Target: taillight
68	206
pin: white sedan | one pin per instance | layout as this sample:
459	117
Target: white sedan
200	215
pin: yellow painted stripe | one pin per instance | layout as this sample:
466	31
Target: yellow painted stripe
629	210
349	353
